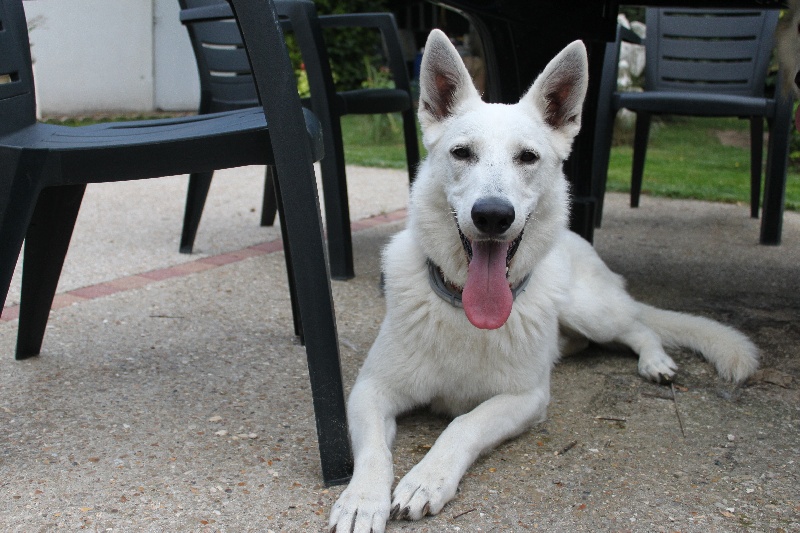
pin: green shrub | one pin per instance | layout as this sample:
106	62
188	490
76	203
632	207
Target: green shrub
347	47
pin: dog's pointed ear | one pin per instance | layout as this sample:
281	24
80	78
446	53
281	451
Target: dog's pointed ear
444	80
560	89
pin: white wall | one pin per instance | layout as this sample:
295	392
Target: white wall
108	56
177	86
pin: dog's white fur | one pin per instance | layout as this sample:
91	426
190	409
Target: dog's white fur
495	382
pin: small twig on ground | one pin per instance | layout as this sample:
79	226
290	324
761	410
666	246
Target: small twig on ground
465	512
656	396
567	448
677	412
611	418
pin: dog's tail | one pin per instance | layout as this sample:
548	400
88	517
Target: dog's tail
734	355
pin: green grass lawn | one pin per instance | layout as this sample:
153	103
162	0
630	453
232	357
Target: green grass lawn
375	141
685	158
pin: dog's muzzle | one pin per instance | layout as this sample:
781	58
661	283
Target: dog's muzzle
486	297
467	245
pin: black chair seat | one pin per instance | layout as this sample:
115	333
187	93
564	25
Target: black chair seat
107	151
696	104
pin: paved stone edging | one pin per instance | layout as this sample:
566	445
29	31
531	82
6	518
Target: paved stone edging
137	281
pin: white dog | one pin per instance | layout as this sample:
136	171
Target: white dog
481	284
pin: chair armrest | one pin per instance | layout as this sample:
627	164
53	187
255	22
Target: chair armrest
357	20
629	36
611	59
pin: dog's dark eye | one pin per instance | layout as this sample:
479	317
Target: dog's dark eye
461	152
527	156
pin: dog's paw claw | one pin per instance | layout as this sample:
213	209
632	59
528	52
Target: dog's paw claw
422	493
360	510
395	512
401	514
658	367
404	513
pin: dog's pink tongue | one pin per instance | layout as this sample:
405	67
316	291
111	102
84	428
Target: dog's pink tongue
486	297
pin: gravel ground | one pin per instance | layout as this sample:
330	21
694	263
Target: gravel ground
184	405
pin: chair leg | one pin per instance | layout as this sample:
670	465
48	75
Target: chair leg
777	164
16	209
268	204
314	299
641	136
604	134
756	155
412	145
287	252
337	209
46	244
604	126
196	194
298	191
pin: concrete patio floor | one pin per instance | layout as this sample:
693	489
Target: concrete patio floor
171	395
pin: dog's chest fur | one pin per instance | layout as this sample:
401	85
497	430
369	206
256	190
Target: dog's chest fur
440	359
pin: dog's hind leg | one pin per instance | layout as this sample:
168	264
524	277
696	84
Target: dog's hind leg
609	316
654	363
364	504
571	342
600	309
434	480
734	355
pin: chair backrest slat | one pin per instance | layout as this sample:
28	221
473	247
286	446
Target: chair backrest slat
708	50
726	24
17	98
226	81
719	50
226	58
220	32
233	92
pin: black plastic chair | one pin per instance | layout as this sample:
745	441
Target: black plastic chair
44	170
702	63
225	83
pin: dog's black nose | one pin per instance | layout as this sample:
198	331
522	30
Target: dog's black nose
492	215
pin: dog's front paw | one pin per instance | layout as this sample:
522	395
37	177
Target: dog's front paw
657	366
422	492
360	509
